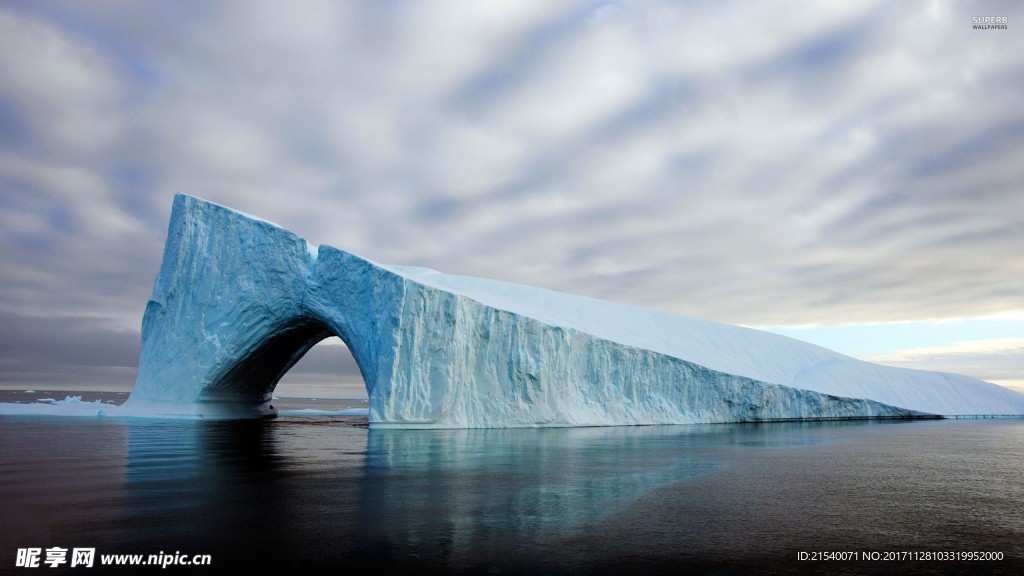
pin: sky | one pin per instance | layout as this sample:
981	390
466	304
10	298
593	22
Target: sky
846	173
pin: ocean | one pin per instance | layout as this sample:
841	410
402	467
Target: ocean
313	493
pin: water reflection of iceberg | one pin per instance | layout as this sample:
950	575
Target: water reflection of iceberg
319	490
507	487
203	487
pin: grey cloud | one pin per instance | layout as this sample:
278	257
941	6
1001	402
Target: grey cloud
514	69
73	353
1001	365
69	353
333	360
841	170
79	341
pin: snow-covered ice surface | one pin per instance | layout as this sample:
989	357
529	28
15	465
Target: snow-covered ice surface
236	303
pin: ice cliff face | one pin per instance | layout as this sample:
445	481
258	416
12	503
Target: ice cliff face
239	300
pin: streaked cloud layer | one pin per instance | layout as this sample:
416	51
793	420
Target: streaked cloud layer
997	360
989	348
776	165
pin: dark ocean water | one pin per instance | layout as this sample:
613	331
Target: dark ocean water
325	493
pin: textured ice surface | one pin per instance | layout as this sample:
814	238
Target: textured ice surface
238	301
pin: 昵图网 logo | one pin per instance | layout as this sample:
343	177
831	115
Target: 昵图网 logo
990	22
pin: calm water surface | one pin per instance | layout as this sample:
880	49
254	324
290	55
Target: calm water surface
317	493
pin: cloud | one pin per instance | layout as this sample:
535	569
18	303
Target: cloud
998	360
82	353
997	346
328	370
785	164
66	353
65	98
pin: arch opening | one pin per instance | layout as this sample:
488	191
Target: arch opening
328	371
253	378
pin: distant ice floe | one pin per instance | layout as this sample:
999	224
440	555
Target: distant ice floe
74	406
314	412
69	406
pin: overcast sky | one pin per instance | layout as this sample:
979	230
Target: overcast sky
823	169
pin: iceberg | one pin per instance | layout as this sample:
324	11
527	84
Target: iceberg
239	300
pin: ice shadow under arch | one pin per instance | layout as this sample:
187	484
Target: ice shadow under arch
257	373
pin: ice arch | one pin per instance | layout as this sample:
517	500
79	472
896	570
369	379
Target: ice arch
239	300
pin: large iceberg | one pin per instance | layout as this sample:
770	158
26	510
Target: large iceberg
239	300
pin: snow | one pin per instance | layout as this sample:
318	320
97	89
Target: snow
240	213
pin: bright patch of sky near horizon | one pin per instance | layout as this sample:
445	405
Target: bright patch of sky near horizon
852	165
989	348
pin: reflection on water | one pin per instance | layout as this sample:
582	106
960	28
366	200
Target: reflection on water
50	470
318	492
519	482
386	495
